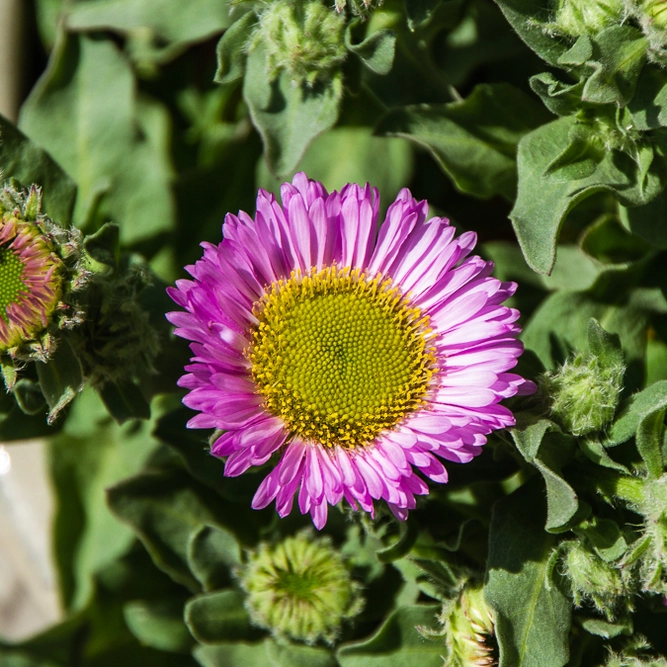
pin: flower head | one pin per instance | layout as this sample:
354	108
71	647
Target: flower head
358	356
300	588
32	269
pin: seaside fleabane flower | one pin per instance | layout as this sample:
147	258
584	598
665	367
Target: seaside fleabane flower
30	281
359	355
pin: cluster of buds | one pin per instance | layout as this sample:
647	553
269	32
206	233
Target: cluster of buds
305	39
300	588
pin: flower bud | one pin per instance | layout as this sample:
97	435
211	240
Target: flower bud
606	585
584	392
300	588
303	38
588	17
655	12
651	547
468	630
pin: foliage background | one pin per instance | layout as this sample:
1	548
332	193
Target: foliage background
507	127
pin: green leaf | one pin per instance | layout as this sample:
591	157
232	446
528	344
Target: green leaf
231	655
636	409
23	160
604	345
159	624
212	555
60	379
649	103
124	401
164	508
360	157
86	113
91	454
564	316
169	21
532	22
606	538
296	655
545	447
287	115
648	221
600	628
558	167
560	98
619	55
649	442
474	141
397	643
104	245
231	49
29	397
376	51
532	614
219	617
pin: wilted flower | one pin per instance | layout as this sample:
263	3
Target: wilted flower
300	588
358	354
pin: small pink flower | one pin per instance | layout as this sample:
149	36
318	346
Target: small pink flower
30	283
360	356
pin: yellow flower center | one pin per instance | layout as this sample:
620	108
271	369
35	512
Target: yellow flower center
11	280
338	357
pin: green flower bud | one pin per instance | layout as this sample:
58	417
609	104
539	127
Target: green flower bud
655	12
651	548
300	588
468	629
361	8
606	585
303	38
584	392
588	17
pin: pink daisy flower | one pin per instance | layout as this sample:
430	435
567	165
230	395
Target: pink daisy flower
362	356
30	283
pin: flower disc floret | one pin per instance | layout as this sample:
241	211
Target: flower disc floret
340	358
30	282
360	355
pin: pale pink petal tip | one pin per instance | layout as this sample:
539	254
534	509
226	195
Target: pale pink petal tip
474	338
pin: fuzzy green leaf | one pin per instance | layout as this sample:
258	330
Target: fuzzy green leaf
559	165
60	379
287	115
212	555
86	113
159	624
168	21
649	442
619	55
231	655
474	141
397	643
23	160
231	49
376	51
636	409
532	614
297	655
164	508
545	447
220	617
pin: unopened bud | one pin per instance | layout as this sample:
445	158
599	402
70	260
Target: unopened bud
300	588
303	38
588	17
